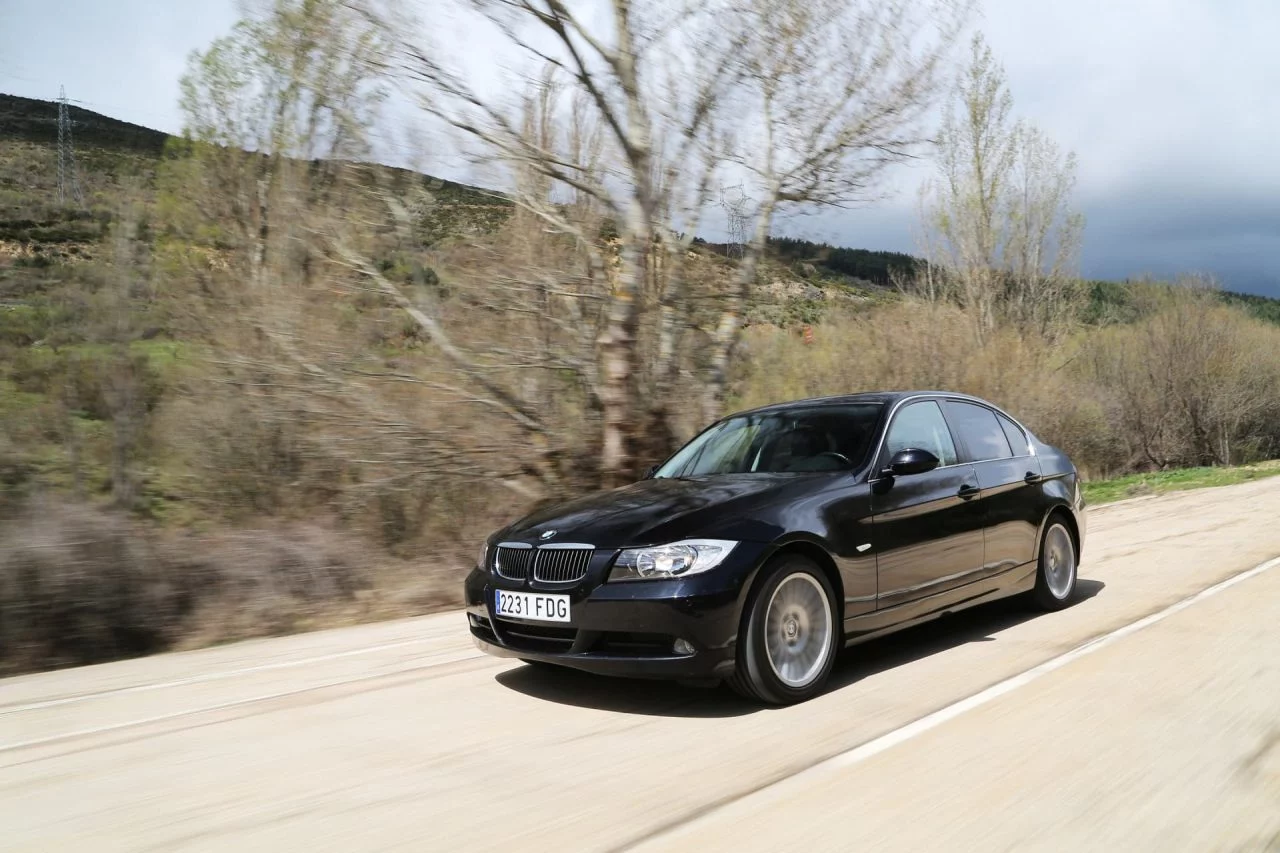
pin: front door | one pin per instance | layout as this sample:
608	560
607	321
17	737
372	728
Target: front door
928	527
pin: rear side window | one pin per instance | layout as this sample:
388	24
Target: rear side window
921	426
1017	438
978	430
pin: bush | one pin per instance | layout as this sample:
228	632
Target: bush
81	585
1190	382
86	378
1193	383
251	583
23	325
78	586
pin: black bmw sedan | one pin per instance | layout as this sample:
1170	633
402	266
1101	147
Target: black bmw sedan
780	534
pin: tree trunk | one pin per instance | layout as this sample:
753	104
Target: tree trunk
617	355
730	326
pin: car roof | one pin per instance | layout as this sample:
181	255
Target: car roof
880	397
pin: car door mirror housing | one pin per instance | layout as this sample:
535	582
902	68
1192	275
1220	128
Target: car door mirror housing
910	461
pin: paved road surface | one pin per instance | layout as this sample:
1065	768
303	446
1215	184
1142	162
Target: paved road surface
400	736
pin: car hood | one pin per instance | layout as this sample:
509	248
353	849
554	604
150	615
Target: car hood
662	510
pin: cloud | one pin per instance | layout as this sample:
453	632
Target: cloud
1170	107
1234	237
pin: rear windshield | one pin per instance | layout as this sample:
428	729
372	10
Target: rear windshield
802	440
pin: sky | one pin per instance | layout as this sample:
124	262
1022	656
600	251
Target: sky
1170	105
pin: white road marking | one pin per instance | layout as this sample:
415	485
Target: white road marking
213	676
762	797
222	706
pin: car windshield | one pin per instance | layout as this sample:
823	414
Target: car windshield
801	440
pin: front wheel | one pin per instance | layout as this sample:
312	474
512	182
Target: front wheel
789	636
1056	578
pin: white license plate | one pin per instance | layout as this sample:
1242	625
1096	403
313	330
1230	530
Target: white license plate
531	605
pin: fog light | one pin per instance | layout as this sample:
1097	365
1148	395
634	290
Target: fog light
683	647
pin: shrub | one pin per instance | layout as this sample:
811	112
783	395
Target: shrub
82	585
251	583
78	586
1191	382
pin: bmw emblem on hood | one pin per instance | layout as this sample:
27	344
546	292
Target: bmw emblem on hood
547	534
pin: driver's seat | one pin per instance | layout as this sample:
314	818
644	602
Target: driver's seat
799	449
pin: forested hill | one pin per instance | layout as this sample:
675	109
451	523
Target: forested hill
865	264
37	121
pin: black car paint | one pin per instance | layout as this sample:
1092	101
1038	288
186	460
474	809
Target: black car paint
939	542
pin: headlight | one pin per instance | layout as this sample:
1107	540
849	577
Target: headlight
483	556
678	559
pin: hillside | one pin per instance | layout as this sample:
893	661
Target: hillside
126	282
37	121
258	437
61	273
114	155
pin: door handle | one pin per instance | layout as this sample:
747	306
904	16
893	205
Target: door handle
967	491
1031	478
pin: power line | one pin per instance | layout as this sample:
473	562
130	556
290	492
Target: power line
68	180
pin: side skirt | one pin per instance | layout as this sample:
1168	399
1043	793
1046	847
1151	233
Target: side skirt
1015	581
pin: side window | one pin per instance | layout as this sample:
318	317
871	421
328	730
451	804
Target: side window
979	430
921	426
1017	438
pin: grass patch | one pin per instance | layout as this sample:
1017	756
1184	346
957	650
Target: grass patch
1138	485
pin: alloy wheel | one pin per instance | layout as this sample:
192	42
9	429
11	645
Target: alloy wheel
1059	561
797	630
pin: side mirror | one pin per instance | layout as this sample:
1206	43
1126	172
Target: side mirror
648	475
911	461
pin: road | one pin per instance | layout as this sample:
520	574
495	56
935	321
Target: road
400	735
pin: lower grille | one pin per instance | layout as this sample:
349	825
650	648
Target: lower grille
632	644
562	563
537	637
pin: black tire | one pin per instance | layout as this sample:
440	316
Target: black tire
1056	579
755	676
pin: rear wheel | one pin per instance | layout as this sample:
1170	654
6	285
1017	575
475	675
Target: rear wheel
788	641
1056	578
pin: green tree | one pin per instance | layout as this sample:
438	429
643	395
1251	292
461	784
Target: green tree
293	85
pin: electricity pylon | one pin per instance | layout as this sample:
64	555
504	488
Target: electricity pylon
68	180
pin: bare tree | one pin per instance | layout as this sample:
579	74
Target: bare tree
977	150
809	102
611	158
832	93
649	174
999	227
276	113
1043	247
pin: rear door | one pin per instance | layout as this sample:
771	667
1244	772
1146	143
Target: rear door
928	527
1009	477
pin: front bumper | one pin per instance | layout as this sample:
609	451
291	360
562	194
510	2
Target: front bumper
627	629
